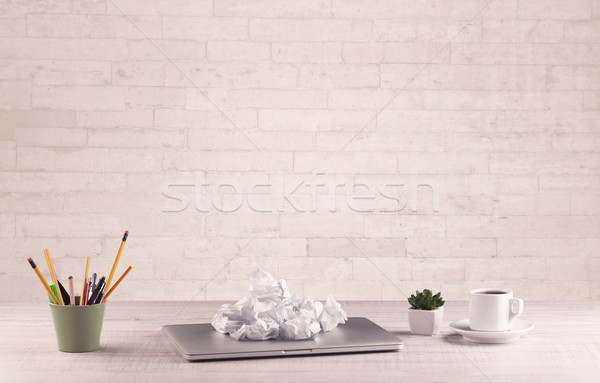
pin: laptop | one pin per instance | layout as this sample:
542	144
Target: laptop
200	341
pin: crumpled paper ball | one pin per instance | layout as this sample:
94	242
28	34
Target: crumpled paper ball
271	311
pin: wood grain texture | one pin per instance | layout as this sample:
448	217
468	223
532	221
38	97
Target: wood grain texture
564	346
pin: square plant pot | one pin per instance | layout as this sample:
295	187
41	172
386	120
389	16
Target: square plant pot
425	322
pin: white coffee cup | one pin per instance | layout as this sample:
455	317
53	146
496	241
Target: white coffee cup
493	309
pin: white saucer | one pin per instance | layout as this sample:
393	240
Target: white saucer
519	327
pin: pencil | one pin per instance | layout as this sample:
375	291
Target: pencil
53	275
85	273
114	266
71	290
116	283
43	280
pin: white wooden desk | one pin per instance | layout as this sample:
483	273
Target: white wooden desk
563	347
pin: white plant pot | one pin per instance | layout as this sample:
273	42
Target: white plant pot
425	322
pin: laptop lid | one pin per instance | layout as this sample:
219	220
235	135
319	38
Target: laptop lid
200	341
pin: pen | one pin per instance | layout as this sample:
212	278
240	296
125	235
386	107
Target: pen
116	261
94	275
83	290
64	294
97	290
71	290
53	275
43	280
116	284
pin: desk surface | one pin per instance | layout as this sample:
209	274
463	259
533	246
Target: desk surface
564	346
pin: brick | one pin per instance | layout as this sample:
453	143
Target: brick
162	7
568	269
503	269
232	75
591	101
555	9
380	141
574	77
72	159
313	120
46	182
155	223
309	30
445	31
228	119
138	73
343	289
92	26
13	27
83	6
585	204
498	142
544	163
364	98
57	72
485	100
51	137
451	247
331	269
238	225
241	161
357	247
135	138
525	54
37	118
79	97
63	49
31	203
576	142
198	28
327	76
309	52
7	225
392	30
531	205
537	247
364	53
436	121
547	121
129	117
100	202
464	205
588	247
232	139
523	31
155	97
404	226
476	77
15	94
345	162
381	268
8	155
420	52
237	51
504	184
241	267
266	98
322	225
67	225
272	8
391	9
567	183
446	269
442	163
160	50
207	99
278	247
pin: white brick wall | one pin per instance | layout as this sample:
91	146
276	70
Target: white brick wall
485	134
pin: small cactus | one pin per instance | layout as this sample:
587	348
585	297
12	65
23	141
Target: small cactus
425	300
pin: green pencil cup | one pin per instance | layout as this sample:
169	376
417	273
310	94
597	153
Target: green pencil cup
78	328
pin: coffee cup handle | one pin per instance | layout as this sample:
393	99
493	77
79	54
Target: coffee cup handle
515	308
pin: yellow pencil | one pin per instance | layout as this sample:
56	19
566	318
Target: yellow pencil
85	273
43	280
53	275
116	284
114	266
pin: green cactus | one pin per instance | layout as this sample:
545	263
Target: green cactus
425	300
